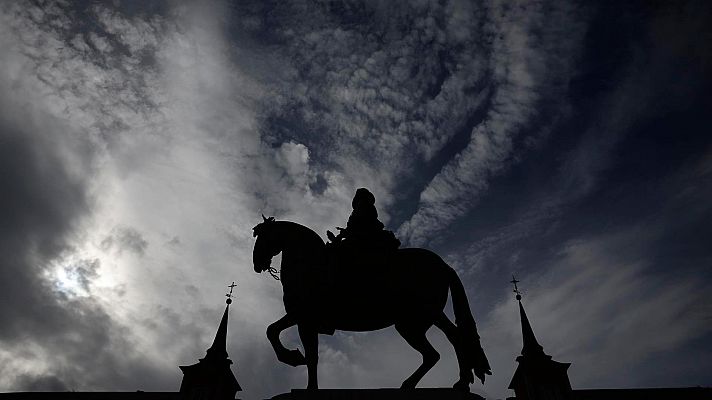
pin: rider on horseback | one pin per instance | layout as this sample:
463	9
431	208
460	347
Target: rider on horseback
363	228
407	289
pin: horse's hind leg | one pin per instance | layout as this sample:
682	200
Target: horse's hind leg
450	330
290	357
414	334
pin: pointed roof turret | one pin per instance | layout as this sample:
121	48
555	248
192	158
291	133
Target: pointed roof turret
537	377
211	378
531	346
219	348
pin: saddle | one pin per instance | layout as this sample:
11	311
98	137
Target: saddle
355	267
360	256
359	260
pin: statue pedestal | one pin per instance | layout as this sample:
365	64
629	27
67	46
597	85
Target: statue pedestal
378	394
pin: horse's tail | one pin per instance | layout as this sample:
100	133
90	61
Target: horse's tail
467	329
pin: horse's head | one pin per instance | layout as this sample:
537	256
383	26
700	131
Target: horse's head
267	245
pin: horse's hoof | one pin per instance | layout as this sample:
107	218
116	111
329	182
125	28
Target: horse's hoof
461	385
294	358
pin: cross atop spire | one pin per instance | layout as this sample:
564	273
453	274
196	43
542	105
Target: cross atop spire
514	281
229	295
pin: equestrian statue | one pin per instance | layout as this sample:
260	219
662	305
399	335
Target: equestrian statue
362	281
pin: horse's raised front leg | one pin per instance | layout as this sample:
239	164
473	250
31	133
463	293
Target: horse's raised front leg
309	336
414	334
289	357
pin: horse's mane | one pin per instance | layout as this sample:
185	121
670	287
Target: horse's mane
298	233
301	232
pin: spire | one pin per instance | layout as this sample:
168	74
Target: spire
537	377
531	347
218	349
212	378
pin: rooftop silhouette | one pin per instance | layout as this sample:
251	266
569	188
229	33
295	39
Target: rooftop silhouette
212	378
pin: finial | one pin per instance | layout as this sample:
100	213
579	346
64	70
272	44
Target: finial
229	295
514	281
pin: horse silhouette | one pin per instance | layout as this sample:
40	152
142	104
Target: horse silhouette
324	292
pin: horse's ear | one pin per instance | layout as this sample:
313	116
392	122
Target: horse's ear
264	219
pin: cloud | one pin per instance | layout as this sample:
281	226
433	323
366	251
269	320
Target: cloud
642	89
527	71
137	130
52	337
174	147
80	113
125	238
373	97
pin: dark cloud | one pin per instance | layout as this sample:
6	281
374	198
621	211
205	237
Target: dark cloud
652	93
67	341
41	204
605	220
45	383
371	88
438	96
71	338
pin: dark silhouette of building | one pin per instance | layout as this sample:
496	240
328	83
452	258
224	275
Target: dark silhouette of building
538	377
212	378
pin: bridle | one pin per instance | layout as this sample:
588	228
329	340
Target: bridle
274	272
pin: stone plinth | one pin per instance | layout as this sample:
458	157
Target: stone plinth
378	394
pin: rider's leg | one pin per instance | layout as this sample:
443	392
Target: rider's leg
310	340
450	330
290	357
414	334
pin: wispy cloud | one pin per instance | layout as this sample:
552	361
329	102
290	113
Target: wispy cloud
604	305
528	71
373	97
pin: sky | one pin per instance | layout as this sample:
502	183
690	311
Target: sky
565	142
